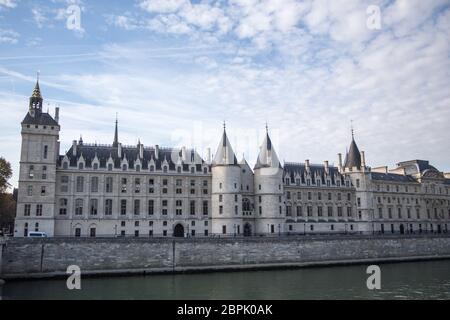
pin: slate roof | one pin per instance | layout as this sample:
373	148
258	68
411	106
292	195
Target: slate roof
392	177
225	154
40	119
291	169
353	156
103	153
267	156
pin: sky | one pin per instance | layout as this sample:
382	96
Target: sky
174	70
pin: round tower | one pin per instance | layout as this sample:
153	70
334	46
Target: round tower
226	217
269	193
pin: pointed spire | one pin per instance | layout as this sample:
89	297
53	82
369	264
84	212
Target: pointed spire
353	156
116	134
267	156
225	154
37	91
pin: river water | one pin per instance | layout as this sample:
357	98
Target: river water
407	280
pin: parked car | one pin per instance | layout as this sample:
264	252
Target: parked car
36	234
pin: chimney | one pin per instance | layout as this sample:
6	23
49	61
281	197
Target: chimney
183	153
340	161
307	164
363	159
74	148
156	152
326	166
119	150
57	114
141	151
208	155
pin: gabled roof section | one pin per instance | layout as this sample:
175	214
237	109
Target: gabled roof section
225	154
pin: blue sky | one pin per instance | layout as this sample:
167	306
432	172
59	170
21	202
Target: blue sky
174	70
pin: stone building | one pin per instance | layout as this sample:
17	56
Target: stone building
96	190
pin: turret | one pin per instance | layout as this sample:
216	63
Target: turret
226	197
38	160
268	179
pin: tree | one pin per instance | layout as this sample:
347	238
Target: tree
7	202
5	174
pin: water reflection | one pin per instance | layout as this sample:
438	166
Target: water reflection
412	280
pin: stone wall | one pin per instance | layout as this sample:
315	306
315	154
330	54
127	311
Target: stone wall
50	257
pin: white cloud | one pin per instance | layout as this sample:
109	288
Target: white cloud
39	17
8	3
162	6
8	36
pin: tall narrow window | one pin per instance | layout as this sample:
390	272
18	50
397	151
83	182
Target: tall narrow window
39	210
44	172
108	207
137	206
109	185
27	210
94	207
123	207
45	152
63	207
150	207
80	184
94	184
79	207
205	208
192	207
124	185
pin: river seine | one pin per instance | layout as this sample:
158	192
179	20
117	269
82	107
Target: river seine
409	280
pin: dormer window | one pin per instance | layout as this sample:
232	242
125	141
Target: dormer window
205	170
110	166
81	165
165	169
124	167
192	169
138	168
179	169
65	165
95	166
152	168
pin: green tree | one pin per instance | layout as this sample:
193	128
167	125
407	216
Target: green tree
5	174
7	202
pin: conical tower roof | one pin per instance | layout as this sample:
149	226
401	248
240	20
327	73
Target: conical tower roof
225	154
267	156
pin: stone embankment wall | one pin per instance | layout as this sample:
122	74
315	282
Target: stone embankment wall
96	256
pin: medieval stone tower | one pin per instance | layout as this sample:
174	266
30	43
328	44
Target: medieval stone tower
355	168
37	177
269	199
226	198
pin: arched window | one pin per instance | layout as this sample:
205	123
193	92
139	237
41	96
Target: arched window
245	204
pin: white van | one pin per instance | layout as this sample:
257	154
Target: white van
36	234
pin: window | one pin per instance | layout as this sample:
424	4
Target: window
330	211
137	185
95	166
45	152
78	207
299	211
150	207
165	169
109	185
205	208
44	172
123	207
80	184
27	210
43	191
220	209
349	211
110	166
224	229
81	165
94	184
220	198
192	207
65	165
124	185
138	168
31	172
357	183
30	190
319	211
124	167
152	168
39	210
309	211
94	207
92	232
64	183
108	207
339	211
63	206
137	206
236	210
136	223
77	232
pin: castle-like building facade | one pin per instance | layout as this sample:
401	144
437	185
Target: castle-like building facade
98	190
